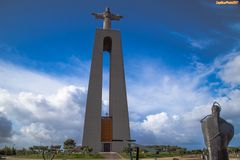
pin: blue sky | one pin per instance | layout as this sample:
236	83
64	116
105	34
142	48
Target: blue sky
179	58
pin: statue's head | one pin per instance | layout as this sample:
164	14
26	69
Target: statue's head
107	10
216	108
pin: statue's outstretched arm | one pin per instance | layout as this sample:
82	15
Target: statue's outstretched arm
116	17
98	15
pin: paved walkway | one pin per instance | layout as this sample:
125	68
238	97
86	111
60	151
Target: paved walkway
111	155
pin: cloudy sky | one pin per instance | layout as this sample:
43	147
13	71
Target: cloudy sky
179	58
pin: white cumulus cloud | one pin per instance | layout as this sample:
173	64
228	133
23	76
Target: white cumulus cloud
165	106
231	71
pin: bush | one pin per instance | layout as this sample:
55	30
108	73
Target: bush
8	151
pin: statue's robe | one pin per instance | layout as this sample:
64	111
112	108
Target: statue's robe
217	135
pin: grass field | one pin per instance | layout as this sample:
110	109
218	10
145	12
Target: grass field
28	158
99	156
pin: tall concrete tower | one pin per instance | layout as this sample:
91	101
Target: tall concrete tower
109	133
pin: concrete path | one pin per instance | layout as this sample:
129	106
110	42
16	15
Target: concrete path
111	155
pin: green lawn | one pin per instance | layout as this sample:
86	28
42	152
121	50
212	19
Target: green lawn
62	156
152	155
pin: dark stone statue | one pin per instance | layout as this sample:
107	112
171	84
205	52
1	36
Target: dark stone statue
217	134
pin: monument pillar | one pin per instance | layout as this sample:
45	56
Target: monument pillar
107	133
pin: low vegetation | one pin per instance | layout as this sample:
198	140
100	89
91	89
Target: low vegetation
174	151
69	150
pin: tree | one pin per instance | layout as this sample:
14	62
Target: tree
48	153
52	152
69	144
13	151
182	151
6	151
86	149
126	150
